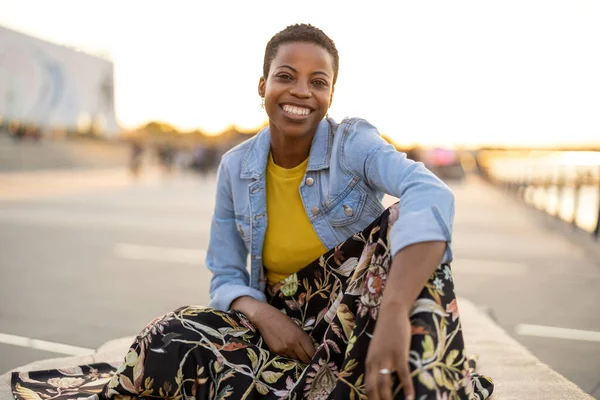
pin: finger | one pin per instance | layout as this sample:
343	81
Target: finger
371	383
282	353
308	346
384	386
290	353
302	354
287	352
406	381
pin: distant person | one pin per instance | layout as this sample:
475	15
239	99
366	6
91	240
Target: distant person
135	158
166	153
198	163
211	161
343	299
20	132
204	159
168	157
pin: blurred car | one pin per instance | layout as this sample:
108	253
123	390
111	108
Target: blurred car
445	163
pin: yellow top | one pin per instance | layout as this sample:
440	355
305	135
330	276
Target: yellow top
291	243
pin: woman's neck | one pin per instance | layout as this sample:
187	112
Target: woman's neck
289	152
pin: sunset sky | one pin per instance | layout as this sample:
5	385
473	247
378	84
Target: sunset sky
443	72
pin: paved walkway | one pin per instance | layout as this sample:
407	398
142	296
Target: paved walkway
541	287
533	280
35	185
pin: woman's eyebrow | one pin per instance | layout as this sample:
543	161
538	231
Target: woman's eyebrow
321	73
287	66
294	70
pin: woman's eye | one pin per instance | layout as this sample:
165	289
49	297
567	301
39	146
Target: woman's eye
284	76
320	83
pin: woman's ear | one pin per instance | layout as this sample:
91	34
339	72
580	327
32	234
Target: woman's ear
261	87
331	95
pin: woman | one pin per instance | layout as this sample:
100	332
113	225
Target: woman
343	299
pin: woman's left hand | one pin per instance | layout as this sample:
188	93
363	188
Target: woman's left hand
389	349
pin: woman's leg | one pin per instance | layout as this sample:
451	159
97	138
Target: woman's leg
201	353
336	299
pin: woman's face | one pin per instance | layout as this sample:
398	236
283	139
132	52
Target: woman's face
299	88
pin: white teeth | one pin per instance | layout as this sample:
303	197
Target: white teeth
296	110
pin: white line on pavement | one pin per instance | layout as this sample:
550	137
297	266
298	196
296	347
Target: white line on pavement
557	333
160	254
44	345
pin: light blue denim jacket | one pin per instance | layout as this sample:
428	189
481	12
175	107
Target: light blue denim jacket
350	168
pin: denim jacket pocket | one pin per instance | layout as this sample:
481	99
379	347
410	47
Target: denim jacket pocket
348	210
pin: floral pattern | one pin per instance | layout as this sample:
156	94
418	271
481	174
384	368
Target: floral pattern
201	353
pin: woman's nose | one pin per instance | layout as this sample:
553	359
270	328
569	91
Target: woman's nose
301	90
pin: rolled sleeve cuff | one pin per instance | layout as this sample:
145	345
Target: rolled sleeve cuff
421	226
226	294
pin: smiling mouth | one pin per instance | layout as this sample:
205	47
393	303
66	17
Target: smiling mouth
295	111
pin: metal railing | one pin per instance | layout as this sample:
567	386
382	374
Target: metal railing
570	191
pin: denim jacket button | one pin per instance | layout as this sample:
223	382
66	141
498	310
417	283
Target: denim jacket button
349	212
315	210
310	181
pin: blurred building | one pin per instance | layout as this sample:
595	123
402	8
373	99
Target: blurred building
52	89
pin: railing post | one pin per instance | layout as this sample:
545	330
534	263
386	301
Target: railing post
561	186
597	230
576	190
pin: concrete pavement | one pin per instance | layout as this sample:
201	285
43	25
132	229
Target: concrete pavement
510	263
67	278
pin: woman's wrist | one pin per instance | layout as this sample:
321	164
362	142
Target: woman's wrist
396	304
249	306
411	268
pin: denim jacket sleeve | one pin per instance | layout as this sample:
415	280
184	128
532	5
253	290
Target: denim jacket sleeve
426	203
227	254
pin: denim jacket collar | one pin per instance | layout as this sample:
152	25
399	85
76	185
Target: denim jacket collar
255	160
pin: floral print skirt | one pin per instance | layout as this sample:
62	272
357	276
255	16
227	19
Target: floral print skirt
201	353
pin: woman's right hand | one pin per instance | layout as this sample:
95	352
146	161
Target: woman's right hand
280	332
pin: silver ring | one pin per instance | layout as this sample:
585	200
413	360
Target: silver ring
385	371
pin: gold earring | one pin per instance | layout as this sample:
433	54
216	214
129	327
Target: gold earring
262	103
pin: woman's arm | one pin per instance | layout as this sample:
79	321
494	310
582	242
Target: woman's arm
419	240
426	203
229	286
227	255
411	267
410	270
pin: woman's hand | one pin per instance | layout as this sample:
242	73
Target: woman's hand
280	332
389	349
283	336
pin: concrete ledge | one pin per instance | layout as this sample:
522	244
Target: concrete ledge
114	349
516	372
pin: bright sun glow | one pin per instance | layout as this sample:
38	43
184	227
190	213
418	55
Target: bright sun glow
461	72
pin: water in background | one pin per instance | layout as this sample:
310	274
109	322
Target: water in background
559	175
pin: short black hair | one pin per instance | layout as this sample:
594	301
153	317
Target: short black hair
300	33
